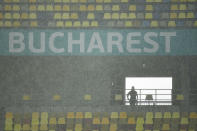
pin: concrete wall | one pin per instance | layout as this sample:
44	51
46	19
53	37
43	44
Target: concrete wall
72	77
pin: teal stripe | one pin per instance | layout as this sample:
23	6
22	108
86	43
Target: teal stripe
184	43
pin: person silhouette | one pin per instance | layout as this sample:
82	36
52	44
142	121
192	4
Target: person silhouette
132	97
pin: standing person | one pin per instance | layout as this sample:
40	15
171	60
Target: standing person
132	97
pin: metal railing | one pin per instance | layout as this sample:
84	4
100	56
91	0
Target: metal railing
155	99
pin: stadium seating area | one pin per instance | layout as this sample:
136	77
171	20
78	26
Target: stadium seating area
105	121
98	13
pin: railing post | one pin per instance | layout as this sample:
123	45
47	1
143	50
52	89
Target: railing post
156	96
140	97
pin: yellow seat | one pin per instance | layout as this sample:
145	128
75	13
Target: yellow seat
8	127
41	8
66	1
32	1
85	23
131	120
182	7
1	16
7	8
16	24
124	1
148	16
49	8
9	115
158	1
61	121
176	115
158	115
57	1
1	23
174	7
17	127
79	115
76	24
115	8
88	115
16	16
35	122
190	15
65	16
33	23
7	24
154	23
90	16
35	115
56	97
173	15
57	16
116	16
165	127
149	121
57	8
149	7
44	115
32	8
74	16
83	1
44	118
15	8
128	24
139	127
179	97
107	1
73	1
70	115
132	16
123	115
59	24
52	121
118	97
34	128
193	115
32	16
78	127
26	127
99	7
7	16
182	15
167	115
123	15
91	8
25	97
7	1
94	24
8	121
96	121
82	7
184	121
113	127
43	127
105	121
24	16
140	120
107	15
132	8
99	1
149	114
114	115
66	8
